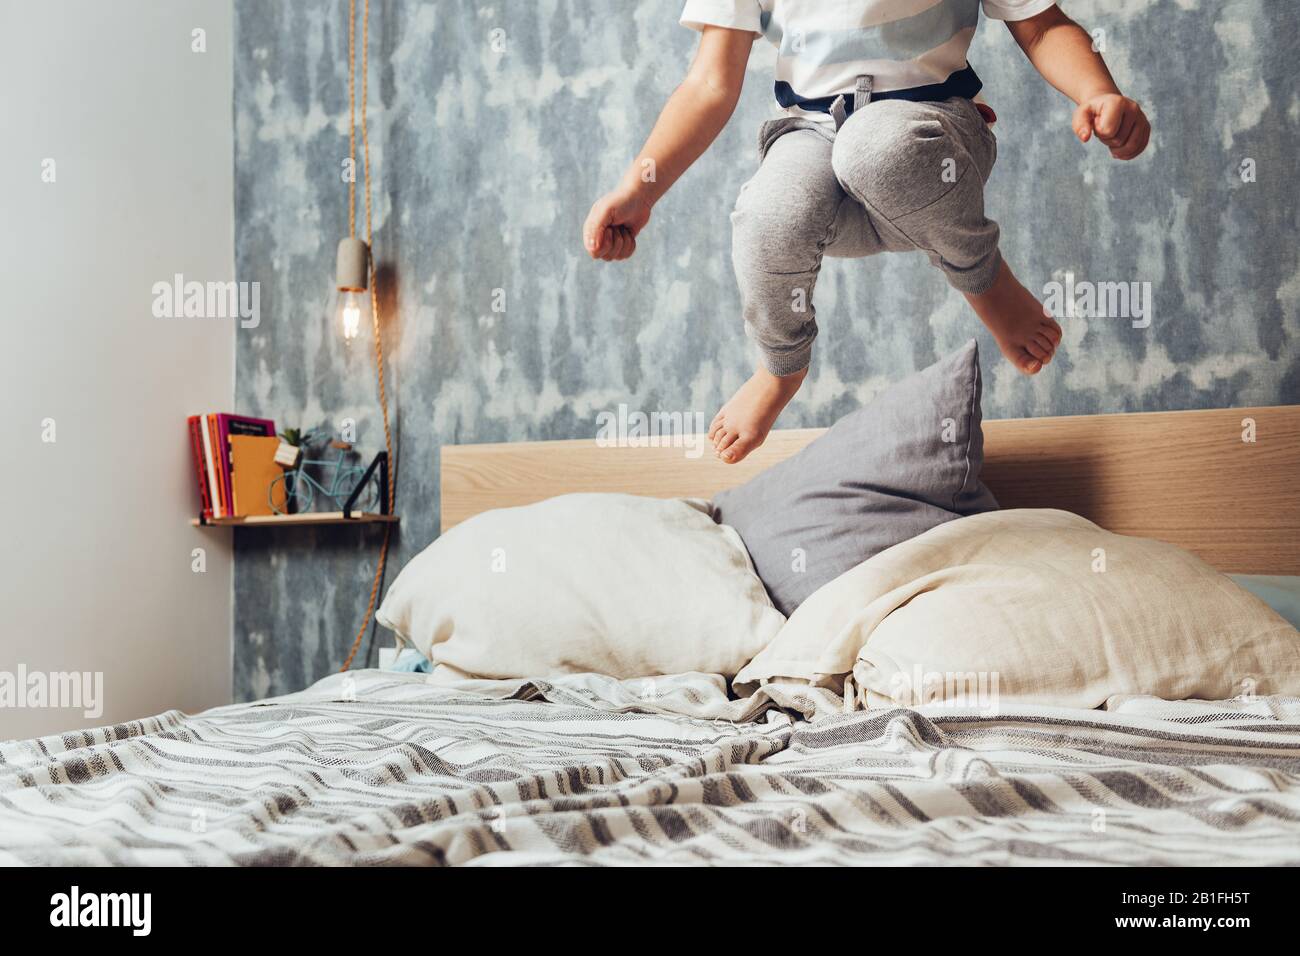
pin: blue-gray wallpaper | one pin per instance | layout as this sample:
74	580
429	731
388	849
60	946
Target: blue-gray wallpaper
494	126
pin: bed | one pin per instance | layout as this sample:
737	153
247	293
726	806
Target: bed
373	767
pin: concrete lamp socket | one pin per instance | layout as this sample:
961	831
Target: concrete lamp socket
352	269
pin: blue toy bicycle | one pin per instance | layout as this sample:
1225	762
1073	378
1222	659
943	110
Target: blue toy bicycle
297	489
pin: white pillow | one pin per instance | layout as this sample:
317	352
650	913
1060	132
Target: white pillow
613	584
1034	606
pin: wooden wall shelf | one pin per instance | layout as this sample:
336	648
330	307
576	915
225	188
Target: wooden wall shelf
282	521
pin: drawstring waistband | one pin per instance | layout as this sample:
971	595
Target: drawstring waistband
841	111
964	83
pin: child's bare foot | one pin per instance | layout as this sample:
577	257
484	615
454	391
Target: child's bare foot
742	424
1027	335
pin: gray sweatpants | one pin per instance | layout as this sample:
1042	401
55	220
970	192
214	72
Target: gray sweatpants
896	176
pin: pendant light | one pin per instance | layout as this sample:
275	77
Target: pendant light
351	299
355	283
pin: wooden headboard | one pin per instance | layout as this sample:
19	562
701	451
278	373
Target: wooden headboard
1184	477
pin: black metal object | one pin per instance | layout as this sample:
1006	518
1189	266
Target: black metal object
380	462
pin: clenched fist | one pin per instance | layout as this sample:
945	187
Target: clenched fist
1117	121
613	223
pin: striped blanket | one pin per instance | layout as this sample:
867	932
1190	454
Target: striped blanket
376	767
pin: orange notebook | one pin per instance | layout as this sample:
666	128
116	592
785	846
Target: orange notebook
252	469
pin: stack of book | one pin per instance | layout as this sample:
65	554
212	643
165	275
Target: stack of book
234	462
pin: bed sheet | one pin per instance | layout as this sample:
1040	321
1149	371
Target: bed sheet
374	767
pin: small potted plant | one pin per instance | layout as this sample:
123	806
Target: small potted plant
289	453
292	442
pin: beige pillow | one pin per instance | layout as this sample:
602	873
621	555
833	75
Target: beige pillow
612	584
1033	606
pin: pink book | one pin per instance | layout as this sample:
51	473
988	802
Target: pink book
228	425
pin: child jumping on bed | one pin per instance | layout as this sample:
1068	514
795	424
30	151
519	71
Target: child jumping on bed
882	147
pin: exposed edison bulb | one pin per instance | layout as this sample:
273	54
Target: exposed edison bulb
352	307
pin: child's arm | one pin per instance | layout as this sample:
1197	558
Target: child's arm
692	118
1062	52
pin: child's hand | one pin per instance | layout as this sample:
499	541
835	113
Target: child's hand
1118	121
613	223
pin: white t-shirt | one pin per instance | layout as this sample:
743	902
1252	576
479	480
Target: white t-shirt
914	46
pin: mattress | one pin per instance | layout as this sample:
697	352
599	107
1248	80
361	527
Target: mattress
374	767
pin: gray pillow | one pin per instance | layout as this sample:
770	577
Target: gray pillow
893	469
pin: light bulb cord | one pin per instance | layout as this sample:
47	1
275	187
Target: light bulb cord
374	292
352	119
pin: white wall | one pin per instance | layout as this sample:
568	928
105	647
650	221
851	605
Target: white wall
95	546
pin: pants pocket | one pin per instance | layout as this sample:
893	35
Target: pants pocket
773	129
981	140
989	152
